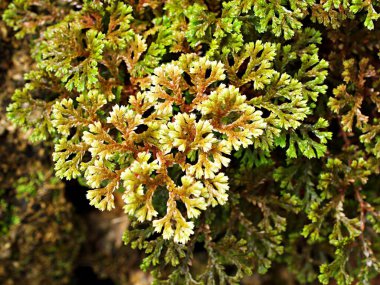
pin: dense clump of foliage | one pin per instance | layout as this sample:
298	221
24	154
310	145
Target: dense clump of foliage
236	133
38	226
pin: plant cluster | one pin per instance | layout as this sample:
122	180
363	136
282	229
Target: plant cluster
236	133
37	227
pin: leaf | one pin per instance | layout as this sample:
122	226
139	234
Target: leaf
255	60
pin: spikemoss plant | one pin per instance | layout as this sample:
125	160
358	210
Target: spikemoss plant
220	124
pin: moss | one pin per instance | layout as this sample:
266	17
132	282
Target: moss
234	134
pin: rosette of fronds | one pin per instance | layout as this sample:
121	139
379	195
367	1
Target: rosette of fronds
174	137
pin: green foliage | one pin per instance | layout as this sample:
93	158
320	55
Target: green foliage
235	134
28	17
30	110
280	17
221	34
